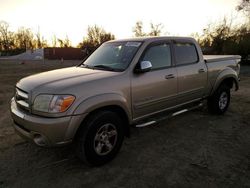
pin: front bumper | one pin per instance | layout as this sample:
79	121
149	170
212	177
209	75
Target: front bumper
42	130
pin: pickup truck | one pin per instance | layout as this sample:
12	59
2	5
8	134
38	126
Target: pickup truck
123	83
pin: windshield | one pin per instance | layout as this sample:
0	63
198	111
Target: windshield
113	56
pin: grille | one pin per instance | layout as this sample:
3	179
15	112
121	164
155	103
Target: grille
22	99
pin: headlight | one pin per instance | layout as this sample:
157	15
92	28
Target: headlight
53	103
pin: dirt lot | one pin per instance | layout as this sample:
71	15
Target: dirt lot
195	149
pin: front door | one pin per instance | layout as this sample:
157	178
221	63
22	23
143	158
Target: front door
155	90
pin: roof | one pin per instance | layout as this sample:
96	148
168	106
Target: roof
151	38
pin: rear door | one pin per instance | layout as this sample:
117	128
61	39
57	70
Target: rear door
191	71
155	90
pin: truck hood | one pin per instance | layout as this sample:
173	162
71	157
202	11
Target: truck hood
61	76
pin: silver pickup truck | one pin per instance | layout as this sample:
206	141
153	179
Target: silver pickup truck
123	83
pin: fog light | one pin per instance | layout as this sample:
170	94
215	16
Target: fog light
40	140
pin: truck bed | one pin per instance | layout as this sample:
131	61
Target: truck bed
216	63
214	58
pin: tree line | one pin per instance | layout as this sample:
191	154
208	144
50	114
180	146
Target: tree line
217	38
222	38
23	39
227	37
16	42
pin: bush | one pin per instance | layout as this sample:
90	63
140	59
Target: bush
12	52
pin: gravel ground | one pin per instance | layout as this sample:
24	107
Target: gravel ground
194	149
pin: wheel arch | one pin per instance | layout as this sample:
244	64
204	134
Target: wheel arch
113	108
107	102
228	77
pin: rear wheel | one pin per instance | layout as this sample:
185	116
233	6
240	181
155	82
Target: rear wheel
100	138
219	102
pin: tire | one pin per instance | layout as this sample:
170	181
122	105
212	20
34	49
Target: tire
100	138
219	102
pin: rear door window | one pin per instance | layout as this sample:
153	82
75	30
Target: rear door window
185	53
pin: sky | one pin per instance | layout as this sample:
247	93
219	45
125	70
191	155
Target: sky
72	17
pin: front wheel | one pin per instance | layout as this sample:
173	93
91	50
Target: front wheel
100	138
219	102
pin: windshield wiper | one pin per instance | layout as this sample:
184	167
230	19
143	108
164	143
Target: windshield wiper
104	67
86	66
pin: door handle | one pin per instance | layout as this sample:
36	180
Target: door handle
201	70
169	76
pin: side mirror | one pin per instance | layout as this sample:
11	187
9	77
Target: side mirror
143	66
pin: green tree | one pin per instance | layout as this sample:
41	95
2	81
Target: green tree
138	29
95	37
244	6
38	39
222	38
54	41
6	36
24	39
243	38
64	43
156	29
